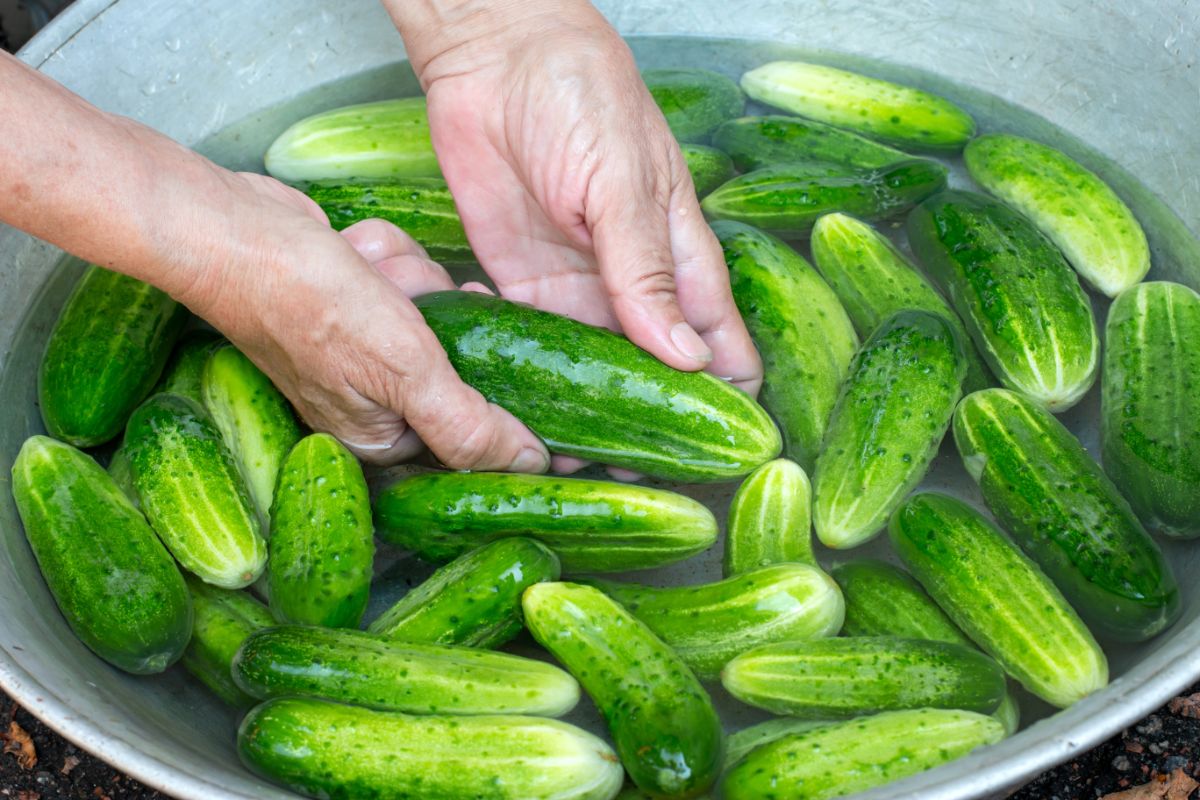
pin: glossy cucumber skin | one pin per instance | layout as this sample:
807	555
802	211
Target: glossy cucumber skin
1014	292
592	394
1065	513
694	101
883	600
1077	210
708	624
1150	404
894	410
708	167
770	519
121	472
800	329
192	492
224	619
104	354
322	541
666	731
109	574
475	600
739	743
757	142
338	752
185	369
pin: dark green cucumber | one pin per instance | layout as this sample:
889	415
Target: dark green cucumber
666	731
105	353
1062	509
694	101
708	166
770	519
184	370
121	472
1150	404
757	142
223	621
322	542
592	394
109	574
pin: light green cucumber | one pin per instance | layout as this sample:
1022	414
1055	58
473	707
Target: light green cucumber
739	743
694	101
770	519
756	142
708	167
224	619
185	369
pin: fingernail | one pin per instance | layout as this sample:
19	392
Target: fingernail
529	460
689	343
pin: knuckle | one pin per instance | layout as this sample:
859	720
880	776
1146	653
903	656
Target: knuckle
467	442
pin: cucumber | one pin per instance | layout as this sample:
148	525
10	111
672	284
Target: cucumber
122	474
739	743
422	207
475	600
592	526
223	621
694	101
328	750
801	330
110	576
835	678
666	731
887	426
1014	292
1077	210
1063	511
592	394
708	167
1000	597
756	142
322	542
185	369
899	115
848	757
104	354
387	139
770	519
192	492
710	623
1150	404
787	199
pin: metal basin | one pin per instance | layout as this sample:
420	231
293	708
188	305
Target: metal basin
226	77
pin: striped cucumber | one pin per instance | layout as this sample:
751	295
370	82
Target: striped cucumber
757	142
694	101
223	621
185	369
770	519
708	167
1062	509
739	743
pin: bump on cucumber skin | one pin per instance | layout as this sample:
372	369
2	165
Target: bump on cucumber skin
708	167
192	492
338	752
592	394
104	354
890	419
665	728
592	526
800	329
109	574
1015	293
1065	513
756	142
694	101
852	756
184	370
1076	210
770	519
1150	404
224	619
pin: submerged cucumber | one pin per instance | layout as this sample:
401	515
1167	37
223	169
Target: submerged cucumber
185	369
739	743
223	621
770	519
756	142
694	101
708	167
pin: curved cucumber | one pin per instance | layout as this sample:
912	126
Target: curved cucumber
110	576
595	395
1014	292
1066	514
708	166
223	621
770	519
739	743
329	750
121	472
185	369
666	731
104	354
475	600
694	101
1150	404
801	330
1077	210
757	142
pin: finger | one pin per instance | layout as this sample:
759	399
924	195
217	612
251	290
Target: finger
477	287
415	276
403	448
373	433
624	475
565	465
377	239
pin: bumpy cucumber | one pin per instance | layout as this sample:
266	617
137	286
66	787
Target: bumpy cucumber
322	542
770	519
787	199
475	600
836	760
1017	296
708	624
757	142
590	393
708	166
110	576
886	428
1150	404
801	330
1066	514
223	621
388	139
185	369
739	743
593	526
1000	597
105	353
892	113
329	750
192	492
666	731
694	101
1070	204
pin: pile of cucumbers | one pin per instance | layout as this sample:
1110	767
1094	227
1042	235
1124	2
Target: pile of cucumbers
225	536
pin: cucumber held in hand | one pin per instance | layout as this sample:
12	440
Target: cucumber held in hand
224	619
708	166
1065	513
694	101
1017	296
592	394
770	519
756	142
